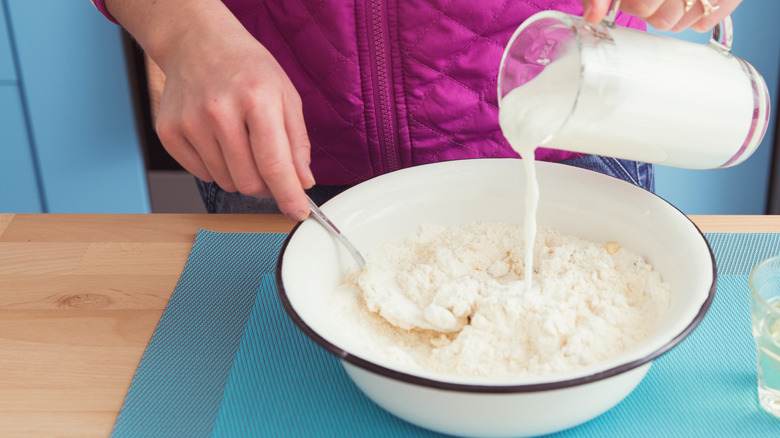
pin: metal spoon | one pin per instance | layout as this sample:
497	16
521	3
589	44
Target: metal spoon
321	218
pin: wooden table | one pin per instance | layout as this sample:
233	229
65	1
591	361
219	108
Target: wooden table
80	296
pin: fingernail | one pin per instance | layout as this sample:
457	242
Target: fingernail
310	176
298	215
586	8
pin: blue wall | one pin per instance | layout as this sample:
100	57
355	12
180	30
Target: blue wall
65	100
741	189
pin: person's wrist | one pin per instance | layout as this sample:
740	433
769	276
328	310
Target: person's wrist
172	29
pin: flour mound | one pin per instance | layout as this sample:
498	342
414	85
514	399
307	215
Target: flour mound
588	302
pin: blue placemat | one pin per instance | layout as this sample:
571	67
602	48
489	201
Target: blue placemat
225	361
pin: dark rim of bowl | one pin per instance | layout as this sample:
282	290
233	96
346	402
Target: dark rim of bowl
474	388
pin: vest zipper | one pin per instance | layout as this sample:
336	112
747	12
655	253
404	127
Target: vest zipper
382	74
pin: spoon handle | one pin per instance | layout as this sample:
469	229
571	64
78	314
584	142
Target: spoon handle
321	218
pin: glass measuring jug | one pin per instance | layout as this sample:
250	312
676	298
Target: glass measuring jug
607	90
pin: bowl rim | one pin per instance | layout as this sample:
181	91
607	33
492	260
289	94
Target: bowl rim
493	388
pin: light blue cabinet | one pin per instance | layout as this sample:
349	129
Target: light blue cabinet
20	191
18	173
67	124
7	66
742	189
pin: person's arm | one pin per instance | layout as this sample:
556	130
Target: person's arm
666	14
228	112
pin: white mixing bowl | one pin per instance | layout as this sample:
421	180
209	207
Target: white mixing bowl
573	201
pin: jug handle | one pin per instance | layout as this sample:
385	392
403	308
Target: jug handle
722	33
609	19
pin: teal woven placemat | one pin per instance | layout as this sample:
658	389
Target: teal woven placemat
225	361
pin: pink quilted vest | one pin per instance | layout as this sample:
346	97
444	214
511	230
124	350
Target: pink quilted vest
388	84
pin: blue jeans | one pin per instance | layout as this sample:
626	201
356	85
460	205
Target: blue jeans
217	200
635	172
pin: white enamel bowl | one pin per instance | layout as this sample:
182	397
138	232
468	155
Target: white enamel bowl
572	201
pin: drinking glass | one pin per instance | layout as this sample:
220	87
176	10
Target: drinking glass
765	319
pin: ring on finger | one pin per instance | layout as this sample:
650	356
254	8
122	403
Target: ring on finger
708	8
705	5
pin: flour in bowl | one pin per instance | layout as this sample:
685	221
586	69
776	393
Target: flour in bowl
589	301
